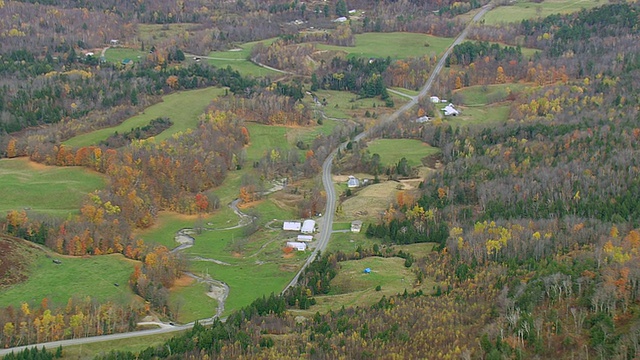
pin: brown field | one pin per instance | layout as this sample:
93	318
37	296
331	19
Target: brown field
370	201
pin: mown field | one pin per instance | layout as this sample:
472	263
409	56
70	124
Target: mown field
238	59
44	189
117	54
353	287
345	105
521	10
397	45
79	277
391	151
183	108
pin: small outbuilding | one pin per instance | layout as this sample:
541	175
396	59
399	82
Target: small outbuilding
356	226
434	99
300	246
291	226
305	238
308	226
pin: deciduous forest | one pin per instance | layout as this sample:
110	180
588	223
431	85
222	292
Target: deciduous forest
535	219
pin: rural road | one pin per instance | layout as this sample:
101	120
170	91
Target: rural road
325	222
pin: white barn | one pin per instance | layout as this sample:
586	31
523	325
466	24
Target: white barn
353	182
308	227
449	110
305	238
291	226
300	246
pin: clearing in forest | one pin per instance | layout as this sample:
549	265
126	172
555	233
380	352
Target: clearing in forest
53	190
353	287
396	45
182	108
521	10
79	277
391	151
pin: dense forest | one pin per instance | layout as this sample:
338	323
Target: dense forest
535	220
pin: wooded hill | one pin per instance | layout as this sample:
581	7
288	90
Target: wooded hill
536	220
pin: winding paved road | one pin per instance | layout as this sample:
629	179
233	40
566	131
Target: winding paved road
325	222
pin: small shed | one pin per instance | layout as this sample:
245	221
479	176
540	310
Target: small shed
353	182
300	246
367	270
291	226
114	42
356	226
305	238
422	119
434	99
308	226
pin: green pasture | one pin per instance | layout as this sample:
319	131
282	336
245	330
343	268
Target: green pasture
191	303
348	242
521	10
392	150
352	287
238	59
117	54
345	105
418	250
480	95
79	277
244	67
397	45
51	190
133	344
183	108
489	115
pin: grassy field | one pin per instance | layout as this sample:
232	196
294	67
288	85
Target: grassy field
133	344
238	59
93	276
117	54
183	108
352	287
191	302
348	241
521	10
345	105
392	150
45	189
151	34
397	45
480	95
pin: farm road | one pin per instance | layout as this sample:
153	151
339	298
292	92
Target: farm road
325	222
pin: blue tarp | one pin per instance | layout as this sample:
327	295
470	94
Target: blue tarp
367	270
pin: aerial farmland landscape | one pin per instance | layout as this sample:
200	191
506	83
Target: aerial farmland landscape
335	179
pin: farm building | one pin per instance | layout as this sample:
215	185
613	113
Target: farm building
422	119
305	238
291	226
356	226
449	110
353	182
434	99
300	246
308	227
